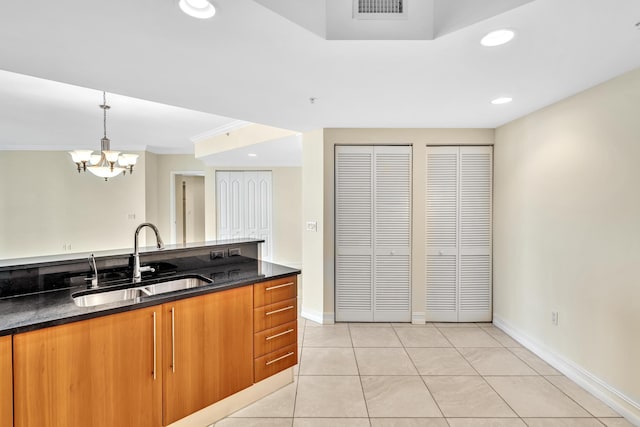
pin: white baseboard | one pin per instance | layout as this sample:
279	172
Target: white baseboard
327	318
617	400
418	318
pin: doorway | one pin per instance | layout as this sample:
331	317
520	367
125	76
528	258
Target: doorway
189	208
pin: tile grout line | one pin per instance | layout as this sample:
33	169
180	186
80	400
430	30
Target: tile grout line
353	349
482	376
422	378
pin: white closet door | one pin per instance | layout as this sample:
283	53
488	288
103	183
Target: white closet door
250	198
373	233
244	207
354	233
458	228
442	234
392	234
236	204
264	218
223	222
475	234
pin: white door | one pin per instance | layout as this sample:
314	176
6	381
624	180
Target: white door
243	207
373	233
458	234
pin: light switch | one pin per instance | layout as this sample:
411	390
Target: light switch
312	226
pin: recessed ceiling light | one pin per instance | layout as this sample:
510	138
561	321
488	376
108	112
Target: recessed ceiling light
497	37
201	9
502	100
253	155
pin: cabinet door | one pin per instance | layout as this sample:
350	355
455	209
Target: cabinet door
208	350
6	382
98	372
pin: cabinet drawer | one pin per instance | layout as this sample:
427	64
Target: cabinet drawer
273	315
275	362
275	338
273	291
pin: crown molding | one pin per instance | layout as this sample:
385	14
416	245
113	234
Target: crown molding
236	124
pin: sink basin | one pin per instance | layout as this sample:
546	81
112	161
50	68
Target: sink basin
92	297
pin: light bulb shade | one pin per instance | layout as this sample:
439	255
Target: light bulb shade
201	9
95	159
112	156
128	159
105	171
80	155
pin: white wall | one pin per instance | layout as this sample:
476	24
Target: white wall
567	231
46	207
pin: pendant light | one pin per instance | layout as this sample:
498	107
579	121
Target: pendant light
108	163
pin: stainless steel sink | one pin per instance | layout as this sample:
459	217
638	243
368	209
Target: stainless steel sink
106	296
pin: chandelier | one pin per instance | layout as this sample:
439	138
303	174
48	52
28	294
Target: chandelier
108	163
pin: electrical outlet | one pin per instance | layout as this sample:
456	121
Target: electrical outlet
217	254
234	252
554	318
312	226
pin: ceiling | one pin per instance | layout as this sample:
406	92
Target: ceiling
251	63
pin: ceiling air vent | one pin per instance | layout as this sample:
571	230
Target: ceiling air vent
380	9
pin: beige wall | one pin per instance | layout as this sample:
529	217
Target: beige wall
313	259
48	208
318	200
56	210
567	231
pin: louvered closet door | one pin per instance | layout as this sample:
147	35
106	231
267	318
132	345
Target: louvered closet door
458	227
442	234
373	233
392	234
354	233
475	234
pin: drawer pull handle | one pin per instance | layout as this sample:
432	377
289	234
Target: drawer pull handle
155	352
173	339
269	313
291	353
279	286
279	335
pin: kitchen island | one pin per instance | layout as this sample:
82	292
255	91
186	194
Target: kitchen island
198	353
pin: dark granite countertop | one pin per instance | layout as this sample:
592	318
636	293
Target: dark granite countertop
55	307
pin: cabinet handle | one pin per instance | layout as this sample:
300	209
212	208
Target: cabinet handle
173	339
279	335
155	351
291	353
279	286
269	313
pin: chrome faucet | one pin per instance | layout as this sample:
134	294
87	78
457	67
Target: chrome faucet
94	279
137	270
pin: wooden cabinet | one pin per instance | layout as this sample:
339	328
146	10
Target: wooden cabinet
275	326
151	366
98	372
6	382
208	350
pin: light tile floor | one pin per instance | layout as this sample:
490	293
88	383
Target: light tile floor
434	375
